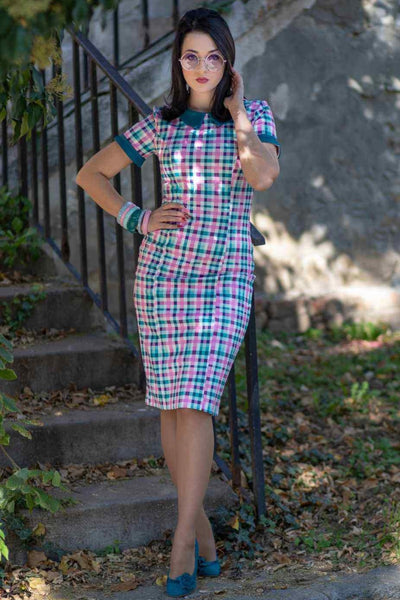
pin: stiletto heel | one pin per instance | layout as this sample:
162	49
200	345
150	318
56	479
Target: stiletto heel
208	568
185	583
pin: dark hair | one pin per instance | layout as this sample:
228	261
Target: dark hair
208	21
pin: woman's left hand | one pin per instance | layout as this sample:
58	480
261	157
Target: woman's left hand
234	103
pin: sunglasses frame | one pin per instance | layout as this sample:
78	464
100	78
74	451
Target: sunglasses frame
202	59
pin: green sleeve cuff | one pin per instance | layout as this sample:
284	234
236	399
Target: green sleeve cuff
266	137
129	150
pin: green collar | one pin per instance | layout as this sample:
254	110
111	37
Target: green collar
195	118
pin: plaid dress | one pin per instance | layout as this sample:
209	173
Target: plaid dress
193	286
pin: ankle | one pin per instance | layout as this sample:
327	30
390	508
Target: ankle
184	537
202	518
205	538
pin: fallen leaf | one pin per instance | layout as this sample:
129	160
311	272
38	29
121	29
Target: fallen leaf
101	400
116	473
53	577
124	586
234	522
162	580
35	558
85	561
40	529
39	585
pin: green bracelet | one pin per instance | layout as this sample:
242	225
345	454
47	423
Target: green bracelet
133	220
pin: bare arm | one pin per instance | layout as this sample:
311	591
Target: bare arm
94	177
258	159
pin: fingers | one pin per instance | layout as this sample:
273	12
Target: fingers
170	226
173	215
177	213
174	205
176	217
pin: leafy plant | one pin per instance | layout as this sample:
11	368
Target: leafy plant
221	6
357	331
18	241
16	312
22	489
237	526
30	39
113	548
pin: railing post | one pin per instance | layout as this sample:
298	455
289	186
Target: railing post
175	13
99	211
65	249
45	171
233	429
118	229
23	171
116	47
145	23
79	161
254	413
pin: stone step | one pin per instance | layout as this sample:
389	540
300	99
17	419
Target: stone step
94	360
65	306
133	511
97	435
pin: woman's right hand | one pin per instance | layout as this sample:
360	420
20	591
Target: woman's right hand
170	215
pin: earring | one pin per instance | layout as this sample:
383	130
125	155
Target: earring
187	88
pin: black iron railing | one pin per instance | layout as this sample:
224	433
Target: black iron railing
41	217
147	41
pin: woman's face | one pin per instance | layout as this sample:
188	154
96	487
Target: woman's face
201	44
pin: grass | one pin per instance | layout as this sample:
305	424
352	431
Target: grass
330	419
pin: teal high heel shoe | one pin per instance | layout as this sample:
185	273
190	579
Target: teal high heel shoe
185	583
208	568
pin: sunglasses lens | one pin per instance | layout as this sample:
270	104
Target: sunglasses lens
190	61
214	62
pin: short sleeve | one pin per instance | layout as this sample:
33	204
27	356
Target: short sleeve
264	125
139	141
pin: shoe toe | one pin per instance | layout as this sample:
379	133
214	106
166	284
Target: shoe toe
185	583
180	586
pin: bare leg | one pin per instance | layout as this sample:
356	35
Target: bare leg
194	445
204	532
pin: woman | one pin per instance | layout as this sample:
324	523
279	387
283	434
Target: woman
194	279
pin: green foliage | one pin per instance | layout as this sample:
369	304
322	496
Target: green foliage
22	24
18	241
348	331
313	334
357	331
237	527
31	33
113	548
27	102
16	312
370	455
24	487
221	6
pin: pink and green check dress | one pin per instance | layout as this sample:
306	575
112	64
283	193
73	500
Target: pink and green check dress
193	286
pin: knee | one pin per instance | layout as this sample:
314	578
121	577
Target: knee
192	413
169	412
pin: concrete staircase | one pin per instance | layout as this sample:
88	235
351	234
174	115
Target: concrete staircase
133	510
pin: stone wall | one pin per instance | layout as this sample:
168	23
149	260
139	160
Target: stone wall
332	219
